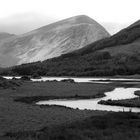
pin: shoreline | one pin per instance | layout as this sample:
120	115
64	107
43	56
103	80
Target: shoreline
134	102
107	76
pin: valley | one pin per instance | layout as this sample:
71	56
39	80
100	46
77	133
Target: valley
70	80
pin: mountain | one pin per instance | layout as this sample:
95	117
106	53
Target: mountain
4	35
51	41
115	55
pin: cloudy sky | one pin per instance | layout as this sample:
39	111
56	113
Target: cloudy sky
20	16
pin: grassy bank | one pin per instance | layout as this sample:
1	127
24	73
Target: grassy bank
34	99
25	120
37	91
135	102
18	116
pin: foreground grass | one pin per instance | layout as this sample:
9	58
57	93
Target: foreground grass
17	116
112	126
22	121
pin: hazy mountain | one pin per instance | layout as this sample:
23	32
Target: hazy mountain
115	55
51	40
5	35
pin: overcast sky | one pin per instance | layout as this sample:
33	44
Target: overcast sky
20	16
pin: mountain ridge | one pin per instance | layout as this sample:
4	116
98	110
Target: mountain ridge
51	41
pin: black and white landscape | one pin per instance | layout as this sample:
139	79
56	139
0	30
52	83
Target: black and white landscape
75	78
50	41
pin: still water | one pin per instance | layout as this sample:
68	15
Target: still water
80	79
92	104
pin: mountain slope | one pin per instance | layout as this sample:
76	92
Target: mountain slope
51	41
116	55
120	42
5	35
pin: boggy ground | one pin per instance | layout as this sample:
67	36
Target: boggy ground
22	117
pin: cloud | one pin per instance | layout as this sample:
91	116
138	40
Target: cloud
22	23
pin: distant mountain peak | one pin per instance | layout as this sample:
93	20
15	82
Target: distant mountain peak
75	20
51	40
82	19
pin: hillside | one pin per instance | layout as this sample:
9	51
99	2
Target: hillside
5	35
51	41
116	55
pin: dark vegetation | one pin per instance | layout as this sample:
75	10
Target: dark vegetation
35	76
88	61
4	83
26	78
135	102
112	126
82	65
68	80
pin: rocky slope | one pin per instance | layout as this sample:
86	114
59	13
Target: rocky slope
51	41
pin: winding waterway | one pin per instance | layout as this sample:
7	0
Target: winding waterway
92	104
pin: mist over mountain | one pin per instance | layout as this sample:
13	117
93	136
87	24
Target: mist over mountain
51	41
